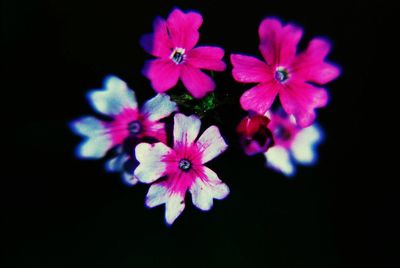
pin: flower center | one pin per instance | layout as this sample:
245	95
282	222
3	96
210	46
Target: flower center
178	55
134	127
282	133
185	165
281	74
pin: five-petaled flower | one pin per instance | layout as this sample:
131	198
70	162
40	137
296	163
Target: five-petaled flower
173	43
118	102
292	143
255	137
291	76
182	168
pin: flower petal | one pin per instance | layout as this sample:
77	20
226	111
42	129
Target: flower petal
186	129
151	166
206	57
116	164
300	99
310	64
129	178
259	98
157	43
114	98
278	43
94	147
278	158
196	82
211	144
303	147
163	74
158	107
247	69
183	28
173	208
205	189
155	130
88	126
157	195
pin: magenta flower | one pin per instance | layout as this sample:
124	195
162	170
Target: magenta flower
118	102
291	76
183	168
292	143
173	43
255	137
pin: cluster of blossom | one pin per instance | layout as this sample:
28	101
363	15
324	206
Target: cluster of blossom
137	137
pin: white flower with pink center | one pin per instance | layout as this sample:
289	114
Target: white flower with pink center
182	168
292	143
118	103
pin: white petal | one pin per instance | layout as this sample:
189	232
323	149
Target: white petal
205	190
278	158
129	178
94	147
116	164
88	126
157	195
159	107
151	167
211	144
174	207
186	129
303	147
114	98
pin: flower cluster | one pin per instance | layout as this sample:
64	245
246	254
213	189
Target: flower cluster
136	138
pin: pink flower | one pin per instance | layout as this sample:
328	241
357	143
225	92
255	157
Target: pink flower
291	76
173	43
183	168
292	143
118	102
255	136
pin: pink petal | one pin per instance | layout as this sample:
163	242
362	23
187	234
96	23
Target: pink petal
157	43
259	98
186	129
183	28
151	166
196	82
300	99
278	43
248	69
163	74
211	144
155	130
310	64
209	58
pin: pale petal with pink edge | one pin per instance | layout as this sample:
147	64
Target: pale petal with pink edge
114	98
163	74
207	57
303	147
211	144
259	98
186	129
150	157
196	82
205	189
249	69
278	158
158	107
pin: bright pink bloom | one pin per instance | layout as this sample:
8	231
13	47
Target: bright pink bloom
292	143
285	73
173	43
118	102
183	167
255	136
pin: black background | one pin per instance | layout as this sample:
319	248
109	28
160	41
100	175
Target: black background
58	211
